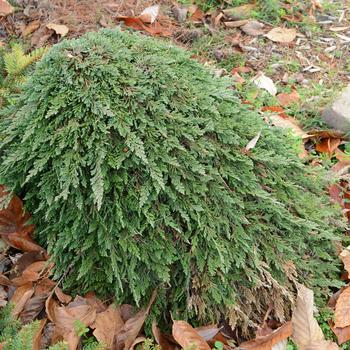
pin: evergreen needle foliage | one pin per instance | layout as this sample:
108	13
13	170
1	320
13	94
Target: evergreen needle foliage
14	64
129	155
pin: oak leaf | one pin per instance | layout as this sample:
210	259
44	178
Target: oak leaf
187	336
266	342
305	327
107	325
132	327
345	258
342	309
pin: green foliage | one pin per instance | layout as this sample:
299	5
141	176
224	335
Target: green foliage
14	65
130	156
9	326
22	339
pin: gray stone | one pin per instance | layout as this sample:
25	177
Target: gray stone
338	114
179	13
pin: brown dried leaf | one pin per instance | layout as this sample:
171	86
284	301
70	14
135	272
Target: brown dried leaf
342	309
29	258
32	273
22	241
236	24
328	145
286	99
137	24
65	316
13	218
5	8
187	336
305	327
20	297
95	302
41	36
282	35
30	28
59	29
107	325
208	332
44	286
345	258
242	11
32	308
62	297
4	281
132	327
288	123
38	335
266	342
162	339
322	345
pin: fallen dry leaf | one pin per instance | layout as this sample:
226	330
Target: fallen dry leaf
59	29
345	258
149	14
266	342
38	335
132	327
305	327
266	83
328	146
30	28
342	309
163	340
275	109
64	318
5	8
242	11
196	14
236	24
137	24
20	297
44	286
208	332
96	303
287	123
41	36
32	308
62	297
286	99
32	273
5	281
252	143
29	258
107	326
282	35
342	334
322	345
12	218
187	336
237	78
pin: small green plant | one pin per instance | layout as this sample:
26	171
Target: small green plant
14	65
23	338
9	326
132	158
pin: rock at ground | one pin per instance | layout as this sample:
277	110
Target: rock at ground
180	13
338	114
